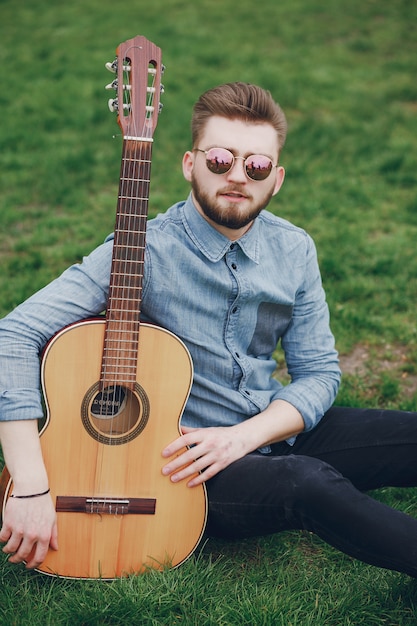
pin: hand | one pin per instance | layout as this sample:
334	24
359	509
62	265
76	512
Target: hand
212	449
29	530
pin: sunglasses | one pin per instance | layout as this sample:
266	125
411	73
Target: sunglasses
221	161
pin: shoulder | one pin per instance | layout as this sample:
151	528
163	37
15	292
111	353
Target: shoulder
172	217
280	224
274	229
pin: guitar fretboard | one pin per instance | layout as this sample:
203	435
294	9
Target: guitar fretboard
121	341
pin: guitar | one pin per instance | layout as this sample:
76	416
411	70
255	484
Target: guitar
115	388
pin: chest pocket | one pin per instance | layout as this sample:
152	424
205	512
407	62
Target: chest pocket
271	323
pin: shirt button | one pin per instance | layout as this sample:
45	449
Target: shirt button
234	266
234	310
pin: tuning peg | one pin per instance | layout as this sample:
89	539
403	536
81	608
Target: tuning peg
162	87
112	85
112	67
113	105
161	106
162	68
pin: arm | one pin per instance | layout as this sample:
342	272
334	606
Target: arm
313	365
215	448
29	525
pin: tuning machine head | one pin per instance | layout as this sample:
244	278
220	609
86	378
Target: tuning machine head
112	67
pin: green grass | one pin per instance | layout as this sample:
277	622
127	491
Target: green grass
289	580
345	73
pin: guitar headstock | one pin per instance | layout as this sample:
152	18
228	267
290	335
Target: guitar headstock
138	85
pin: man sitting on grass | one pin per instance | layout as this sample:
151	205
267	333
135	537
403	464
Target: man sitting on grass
231	280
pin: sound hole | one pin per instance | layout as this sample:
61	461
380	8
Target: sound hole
116	414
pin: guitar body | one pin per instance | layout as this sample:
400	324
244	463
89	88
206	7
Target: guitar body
109	542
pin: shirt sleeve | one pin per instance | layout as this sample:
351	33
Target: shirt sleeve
309	348
80	292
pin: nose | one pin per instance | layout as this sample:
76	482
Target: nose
237	171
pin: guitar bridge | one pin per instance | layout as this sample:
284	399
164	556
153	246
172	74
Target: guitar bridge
105	506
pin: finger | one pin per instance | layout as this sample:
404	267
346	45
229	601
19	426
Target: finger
182	443
182	461
5	534
191	437
13	544
54	538
174	447
37	555
205	475
194	469
187	429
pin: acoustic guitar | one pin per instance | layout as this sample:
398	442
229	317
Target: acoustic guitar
115	388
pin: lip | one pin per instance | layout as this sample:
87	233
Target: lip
233	196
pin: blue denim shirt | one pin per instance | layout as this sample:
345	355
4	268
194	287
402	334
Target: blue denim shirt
230	302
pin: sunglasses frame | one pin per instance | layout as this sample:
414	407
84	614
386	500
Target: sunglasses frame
245	159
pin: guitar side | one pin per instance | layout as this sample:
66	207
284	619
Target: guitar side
117	514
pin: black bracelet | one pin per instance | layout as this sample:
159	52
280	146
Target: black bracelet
33	495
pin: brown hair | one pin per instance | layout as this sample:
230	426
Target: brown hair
242	101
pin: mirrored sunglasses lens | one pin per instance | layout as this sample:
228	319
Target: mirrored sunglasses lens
219	160
258	167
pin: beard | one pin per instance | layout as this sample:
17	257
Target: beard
228	214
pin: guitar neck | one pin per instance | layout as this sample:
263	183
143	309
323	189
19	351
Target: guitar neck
121	341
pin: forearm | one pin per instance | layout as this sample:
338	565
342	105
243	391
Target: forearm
23	456
29	524
278	422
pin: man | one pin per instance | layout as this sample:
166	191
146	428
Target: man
231	280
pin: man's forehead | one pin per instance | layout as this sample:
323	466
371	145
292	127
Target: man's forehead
239	134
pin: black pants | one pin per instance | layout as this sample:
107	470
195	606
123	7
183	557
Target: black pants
318	485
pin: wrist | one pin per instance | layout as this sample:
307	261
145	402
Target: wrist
31	495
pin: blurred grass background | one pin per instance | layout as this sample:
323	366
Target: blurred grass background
345	73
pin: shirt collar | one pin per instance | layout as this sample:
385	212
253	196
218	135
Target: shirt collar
213	244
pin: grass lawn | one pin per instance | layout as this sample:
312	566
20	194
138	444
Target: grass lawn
345	73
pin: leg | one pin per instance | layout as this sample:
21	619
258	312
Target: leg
264	494
373	448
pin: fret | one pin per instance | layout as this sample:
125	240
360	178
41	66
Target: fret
131	198
133	216
132	316
117	341
126	261
127	291
135	160
131	232
135	180
125	322
114	374
115	377
125	246
126	331
120	299
117	363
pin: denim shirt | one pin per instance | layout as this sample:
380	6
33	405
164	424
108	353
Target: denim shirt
230	303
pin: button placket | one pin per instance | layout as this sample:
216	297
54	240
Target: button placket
233	314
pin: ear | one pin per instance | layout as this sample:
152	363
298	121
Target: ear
187	165
280	175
